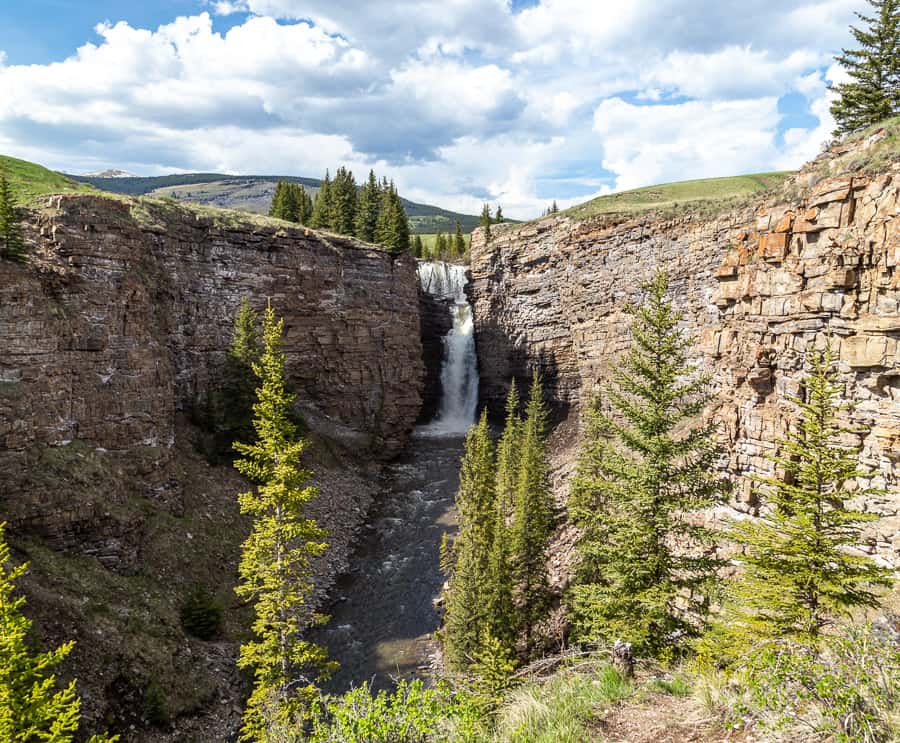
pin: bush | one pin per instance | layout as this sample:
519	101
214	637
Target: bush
201	615
411	714
847	691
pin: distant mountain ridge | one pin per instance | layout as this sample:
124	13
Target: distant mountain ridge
253	193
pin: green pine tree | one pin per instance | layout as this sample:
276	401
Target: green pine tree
641	475
276	209
234	401
486	222
465	615
12	243
459	241
304	204
554	207
400	226
322	208
500	607
275	560
368	209
32	707
344	195
498	218
798	574
532	523
440	246
418	247
874	92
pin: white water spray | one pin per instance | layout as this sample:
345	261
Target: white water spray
459	369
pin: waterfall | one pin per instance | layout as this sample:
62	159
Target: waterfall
459	368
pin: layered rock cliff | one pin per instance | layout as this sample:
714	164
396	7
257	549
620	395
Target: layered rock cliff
112	336
759	286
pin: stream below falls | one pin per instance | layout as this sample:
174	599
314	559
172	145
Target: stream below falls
383	615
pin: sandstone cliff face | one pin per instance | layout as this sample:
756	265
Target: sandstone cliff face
110	339
758	286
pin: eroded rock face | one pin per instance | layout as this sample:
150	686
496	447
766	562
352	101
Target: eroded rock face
111	338
758	289
125	321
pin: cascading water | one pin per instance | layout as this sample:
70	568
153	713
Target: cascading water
459	368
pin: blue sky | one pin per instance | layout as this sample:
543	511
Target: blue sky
459	100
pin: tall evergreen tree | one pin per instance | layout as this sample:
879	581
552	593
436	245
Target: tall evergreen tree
641	475
874	91
501	609
554	207
440	246
486	222
498	218
304	204
418	247
392	230
275	560
532	523
368	209
799	575
234	402
466	599
344	195
322	208
276	209
12	243
32	707
459	241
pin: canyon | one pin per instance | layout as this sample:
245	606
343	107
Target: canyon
114	334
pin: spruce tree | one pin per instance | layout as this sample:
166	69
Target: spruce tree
874	92
368	209
400	227
440	246
501	610
466	599
554	207
276	209
12	243
418	247
343	202
498	218
304	204
32	707
486	222
642	473
233	403
275	561
322	208
799	573
459	241
532	523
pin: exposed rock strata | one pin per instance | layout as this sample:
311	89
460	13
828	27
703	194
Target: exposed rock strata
758	288
110	339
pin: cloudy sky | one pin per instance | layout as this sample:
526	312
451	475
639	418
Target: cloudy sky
460	101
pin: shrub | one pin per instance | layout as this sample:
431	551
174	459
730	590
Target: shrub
201	615
848	690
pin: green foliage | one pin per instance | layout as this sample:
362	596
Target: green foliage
367	209
392	228
29	181
343	202
32	708
492	672
847	691
798	575
486	222
291	203
323	208
418	248
411	714
500	608
275	561
154	707
459	242
201	614
532	523
873	94
466	596
498	217
12	243
640	476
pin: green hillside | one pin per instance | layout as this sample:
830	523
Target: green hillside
30	181
254	193
671	196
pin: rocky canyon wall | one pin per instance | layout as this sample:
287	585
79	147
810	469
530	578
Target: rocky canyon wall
759	286
111	337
